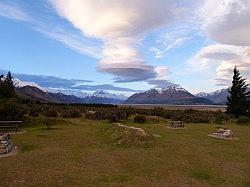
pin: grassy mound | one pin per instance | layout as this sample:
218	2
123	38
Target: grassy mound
123	134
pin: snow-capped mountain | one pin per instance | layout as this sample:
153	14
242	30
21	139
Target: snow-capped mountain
31	90
167	89
19	84
105	94
168	95
104	97
218	97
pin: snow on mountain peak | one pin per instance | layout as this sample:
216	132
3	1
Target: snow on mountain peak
169	88
105	94
19	84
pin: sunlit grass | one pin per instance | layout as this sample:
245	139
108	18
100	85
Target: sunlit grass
84	153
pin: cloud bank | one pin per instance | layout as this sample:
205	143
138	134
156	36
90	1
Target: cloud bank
13	12
121	26
223	58
227	23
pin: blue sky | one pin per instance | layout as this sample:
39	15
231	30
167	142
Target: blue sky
131	44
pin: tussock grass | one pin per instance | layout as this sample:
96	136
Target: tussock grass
82	153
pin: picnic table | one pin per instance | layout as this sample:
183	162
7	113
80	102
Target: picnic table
176	124
10	124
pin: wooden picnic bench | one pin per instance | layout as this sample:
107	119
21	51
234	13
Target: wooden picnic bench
10	124
176	124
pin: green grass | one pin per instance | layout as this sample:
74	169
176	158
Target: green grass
83	153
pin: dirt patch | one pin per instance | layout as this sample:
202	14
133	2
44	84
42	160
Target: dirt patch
129	135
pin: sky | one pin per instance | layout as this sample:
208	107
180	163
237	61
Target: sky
131	44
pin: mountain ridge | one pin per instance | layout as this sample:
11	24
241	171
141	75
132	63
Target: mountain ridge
218	96
168	95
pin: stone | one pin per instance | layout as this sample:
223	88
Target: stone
224	133
5	144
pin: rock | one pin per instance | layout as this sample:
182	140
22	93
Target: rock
5	144
225	133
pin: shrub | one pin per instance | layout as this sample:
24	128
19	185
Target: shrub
71	114
48	123
10	112
243	120
51	113
139	119
34	113
113	119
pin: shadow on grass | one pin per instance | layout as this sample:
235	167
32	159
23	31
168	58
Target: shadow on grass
48	129
202	175
114	178
42	136
27	147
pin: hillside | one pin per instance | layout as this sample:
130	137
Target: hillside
218	97
34	93
169	95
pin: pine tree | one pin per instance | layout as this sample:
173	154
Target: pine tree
238	103
6	86
1	85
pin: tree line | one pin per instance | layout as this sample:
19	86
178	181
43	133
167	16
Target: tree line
10	106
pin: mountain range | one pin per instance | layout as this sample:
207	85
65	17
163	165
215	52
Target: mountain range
218	97
34	93
168	95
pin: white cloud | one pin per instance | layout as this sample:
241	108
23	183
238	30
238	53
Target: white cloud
13	12
74	41
168	45
173	37
162	83
222	59
120	25
71	40
227	21
162	72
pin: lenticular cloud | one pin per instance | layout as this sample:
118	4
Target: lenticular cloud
121	26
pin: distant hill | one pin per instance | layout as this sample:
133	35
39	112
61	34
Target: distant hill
104	97
37	94
169	95
218	97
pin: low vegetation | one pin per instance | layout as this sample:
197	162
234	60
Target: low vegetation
80	152
102	145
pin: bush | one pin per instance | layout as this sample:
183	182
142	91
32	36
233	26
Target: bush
51	113
113	119
243	120
10	112
34	113
71	114
139	119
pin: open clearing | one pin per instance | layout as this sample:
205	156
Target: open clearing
82	153
177	107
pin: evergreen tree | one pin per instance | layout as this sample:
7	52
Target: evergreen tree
6	86
1	85
238	103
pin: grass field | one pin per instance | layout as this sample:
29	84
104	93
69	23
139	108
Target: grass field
82	153
177	107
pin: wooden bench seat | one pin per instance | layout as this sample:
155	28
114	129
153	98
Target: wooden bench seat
10	124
